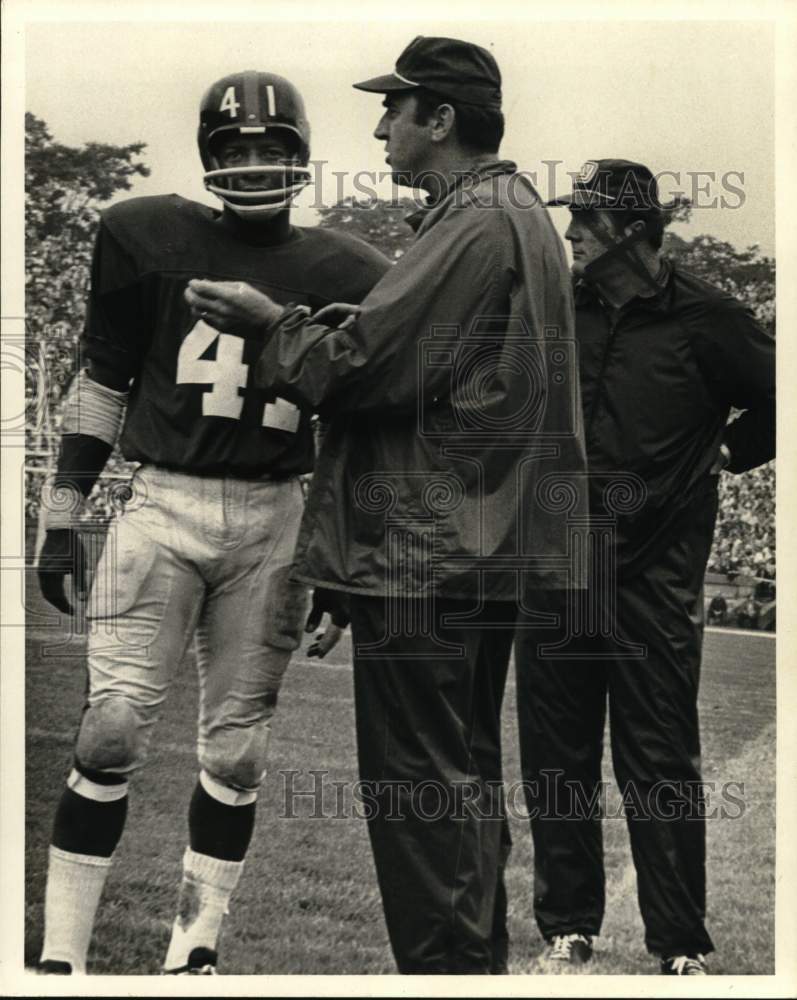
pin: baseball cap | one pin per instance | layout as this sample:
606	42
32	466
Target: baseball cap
449	67
613	184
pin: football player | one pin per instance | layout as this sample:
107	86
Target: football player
205	547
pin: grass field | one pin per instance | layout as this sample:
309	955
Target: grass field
308	901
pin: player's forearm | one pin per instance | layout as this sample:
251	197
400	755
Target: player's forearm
92	416
80	461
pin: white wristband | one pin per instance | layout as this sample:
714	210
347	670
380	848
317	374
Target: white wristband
93	409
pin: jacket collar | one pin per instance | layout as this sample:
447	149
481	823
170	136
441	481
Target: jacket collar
585	292
477	171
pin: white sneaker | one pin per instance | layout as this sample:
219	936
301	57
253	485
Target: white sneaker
575	949
684	965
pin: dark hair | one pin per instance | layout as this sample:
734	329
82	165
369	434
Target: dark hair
477	128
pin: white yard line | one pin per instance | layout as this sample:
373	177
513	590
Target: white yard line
740	631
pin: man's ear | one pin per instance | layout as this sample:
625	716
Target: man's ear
635	228
442	122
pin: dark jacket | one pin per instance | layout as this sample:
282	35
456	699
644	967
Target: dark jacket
658	381
453	407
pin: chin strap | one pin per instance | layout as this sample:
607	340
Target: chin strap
618	248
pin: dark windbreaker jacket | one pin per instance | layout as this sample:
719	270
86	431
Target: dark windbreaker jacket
454	457
658	382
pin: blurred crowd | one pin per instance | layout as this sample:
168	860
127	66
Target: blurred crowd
744	539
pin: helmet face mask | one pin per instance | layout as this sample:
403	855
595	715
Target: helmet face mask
260	106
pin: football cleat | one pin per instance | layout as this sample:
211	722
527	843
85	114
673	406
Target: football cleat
574	949
252	103
201	962
684	965
50	967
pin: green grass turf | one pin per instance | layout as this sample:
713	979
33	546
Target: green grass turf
308	901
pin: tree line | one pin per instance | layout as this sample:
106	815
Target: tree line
66	188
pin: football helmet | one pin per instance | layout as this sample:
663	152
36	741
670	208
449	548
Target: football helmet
253	103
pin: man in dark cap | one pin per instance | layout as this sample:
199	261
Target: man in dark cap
663	357
450	399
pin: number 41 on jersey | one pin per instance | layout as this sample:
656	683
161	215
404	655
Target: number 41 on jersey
226	375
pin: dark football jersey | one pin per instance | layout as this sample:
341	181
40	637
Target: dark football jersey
193	404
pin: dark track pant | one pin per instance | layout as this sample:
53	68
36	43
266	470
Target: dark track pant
428	739
652	698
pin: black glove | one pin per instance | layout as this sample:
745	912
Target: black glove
62	554
334	603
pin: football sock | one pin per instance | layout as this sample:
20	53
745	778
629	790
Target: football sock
220	823
74	886
90	817
85	833
205	892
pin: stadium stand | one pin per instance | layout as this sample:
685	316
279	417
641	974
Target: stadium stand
740	581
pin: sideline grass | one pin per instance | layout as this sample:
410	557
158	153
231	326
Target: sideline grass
737	706
308	902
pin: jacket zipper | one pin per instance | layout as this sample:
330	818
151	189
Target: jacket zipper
601	372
